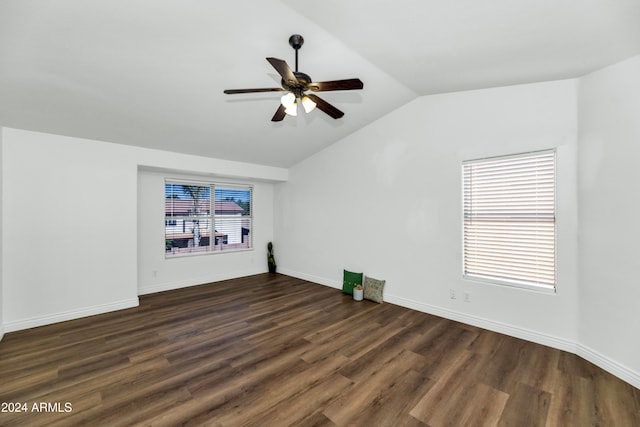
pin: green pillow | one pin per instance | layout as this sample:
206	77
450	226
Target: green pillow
373	289
349	281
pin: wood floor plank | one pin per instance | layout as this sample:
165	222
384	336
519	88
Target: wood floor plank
305	407
265	395
573	402
439	403
482	406
527	407
390	403
272	350
614	400
349	406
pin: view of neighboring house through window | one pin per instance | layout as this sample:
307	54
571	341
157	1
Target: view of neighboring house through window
207	217
509	226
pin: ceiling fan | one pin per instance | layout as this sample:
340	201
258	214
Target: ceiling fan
296	83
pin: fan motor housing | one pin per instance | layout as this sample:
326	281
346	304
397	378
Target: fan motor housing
303	82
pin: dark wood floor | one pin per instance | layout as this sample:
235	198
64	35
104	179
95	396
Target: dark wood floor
271	350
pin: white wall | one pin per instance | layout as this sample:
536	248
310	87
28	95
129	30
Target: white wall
71	225
156	273
609	204
69	228
1	240
387	201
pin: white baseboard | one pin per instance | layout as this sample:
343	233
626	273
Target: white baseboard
311	278
492	325
69	315
168	286
609	365
1	332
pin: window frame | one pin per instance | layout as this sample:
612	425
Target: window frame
522	284
211	218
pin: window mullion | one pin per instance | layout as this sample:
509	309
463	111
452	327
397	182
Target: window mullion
212	225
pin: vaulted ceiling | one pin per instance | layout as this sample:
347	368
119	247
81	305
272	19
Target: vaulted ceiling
151	73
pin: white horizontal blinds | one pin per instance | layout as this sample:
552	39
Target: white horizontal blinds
203	217
233	217
509	219
188	218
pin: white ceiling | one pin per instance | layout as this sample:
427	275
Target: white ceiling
151	73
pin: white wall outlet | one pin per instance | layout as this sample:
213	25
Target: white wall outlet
467	296
452	293
154	273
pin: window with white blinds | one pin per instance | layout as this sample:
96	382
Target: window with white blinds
205	217
509	220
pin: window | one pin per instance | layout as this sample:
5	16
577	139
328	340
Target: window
509	227
207	217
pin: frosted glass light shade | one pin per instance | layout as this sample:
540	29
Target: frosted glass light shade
308	104
288	100
290	104
292	111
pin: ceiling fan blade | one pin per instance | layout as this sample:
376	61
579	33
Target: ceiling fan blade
279	115
234	91
284	70
347	84
325	106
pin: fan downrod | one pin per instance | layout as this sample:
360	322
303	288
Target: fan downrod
296	41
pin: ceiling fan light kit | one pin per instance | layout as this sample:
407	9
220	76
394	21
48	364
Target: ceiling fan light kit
290	104
296	83
308	104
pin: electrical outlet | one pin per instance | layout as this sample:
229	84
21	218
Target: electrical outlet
467	296
154	273
452	293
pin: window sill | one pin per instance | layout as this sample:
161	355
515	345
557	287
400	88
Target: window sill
545	289
205	253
